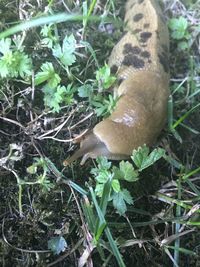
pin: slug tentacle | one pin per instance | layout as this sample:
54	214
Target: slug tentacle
140	61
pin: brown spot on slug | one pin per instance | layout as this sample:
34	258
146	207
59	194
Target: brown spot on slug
138	17
136	31
146	25
145	54
144	36
132	60
128	48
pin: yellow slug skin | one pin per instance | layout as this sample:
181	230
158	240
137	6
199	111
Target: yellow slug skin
140	61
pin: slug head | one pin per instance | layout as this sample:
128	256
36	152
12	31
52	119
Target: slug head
92	147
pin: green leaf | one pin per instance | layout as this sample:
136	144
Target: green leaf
179	28
46	29
49	37
47	185
32	169
127	196
119	203
4	69
139	155
129	173
66	53
57	244
183	45
115	185
103	163
100	108
49	99
178	23
118	174
104	77
59	95
13	62
104	106
53	97
68	59
120	199
69	44
57	51
141	158
103	176
23	64
178	35
99	189
47	74
5	45
85	90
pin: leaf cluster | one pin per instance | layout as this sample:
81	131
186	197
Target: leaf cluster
96	92
179	32
39	170
14	61
142	158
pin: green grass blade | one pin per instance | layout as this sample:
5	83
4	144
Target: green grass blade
59	175
177	225
193	187
77	188
91	8
170	119
91	220
173	162
92	52
112	243
186	176
147	223
103	206
182	118
180	203
105	196
101	222
89	214
35	22
185	251
194	131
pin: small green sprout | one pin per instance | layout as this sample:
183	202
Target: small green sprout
13	61
104	78
179	32
54	93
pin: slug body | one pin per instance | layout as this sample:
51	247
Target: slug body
140	60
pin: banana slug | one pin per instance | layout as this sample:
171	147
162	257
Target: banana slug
140	61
